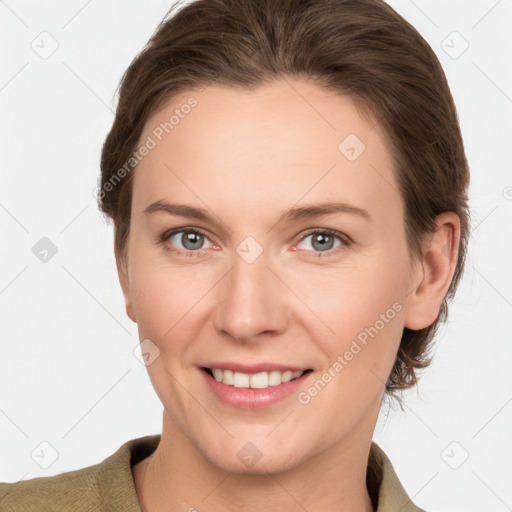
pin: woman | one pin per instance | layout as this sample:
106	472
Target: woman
288	187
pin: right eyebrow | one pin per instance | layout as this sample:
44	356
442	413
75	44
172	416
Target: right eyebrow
181	210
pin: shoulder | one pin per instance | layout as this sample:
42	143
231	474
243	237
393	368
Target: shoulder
107	485
385	485
69	490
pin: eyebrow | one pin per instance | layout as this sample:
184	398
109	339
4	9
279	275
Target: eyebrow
293	214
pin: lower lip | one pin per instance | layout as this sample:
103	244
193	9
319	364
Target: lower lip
249	398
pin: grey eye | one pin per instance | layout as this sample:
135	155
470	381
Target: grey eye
321	241
190	240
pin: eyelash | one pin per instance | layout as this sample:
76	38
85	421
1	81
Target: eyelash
344	239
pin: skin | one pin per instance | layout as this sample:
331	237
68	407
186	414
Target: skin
246	157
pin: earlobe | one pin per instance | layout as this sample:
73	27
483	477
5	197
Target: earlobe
122	272
434	273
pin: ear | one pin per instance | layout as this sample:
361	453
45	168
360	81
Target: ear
122	272
433	272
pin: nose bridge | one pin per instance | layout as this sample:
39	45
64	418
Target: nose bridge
249	304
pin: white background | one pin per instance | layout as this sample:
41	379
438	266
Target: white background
67	372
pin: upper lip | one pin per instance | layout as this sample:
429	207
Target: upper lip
254	368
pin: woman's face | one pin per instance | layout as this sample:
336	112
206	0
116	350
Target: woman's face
247	283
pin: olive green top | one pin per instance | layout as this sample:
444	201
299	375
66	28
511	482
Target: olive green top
108	486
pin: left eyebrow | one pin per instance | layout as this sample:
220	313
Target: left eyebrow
317	210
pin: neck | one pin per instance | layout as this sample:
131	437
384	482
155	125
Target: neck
179	477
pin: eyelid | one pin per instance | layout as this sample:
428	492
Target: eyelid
342	236
173	231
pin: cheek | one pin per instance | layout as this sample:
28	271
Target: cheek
348	299
360	315
167	298
364	313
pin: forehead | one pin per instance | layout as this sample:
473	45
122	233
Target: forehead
270	146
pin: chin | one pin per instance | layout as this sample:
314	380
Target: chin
259	457
263	466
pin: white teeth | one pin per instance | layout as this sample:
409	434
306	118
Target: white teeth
240	380
287	376
228	377
274	378
260	380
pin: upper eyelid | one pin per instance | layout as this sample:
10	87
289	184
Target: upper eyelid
332	232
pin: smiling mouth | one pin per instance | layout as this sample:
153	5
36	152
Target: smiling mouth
261	380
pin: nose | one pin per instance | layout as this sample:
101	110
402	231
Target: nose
252	301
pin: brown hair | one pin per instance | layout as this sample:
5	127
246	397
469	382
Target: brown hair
359	48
